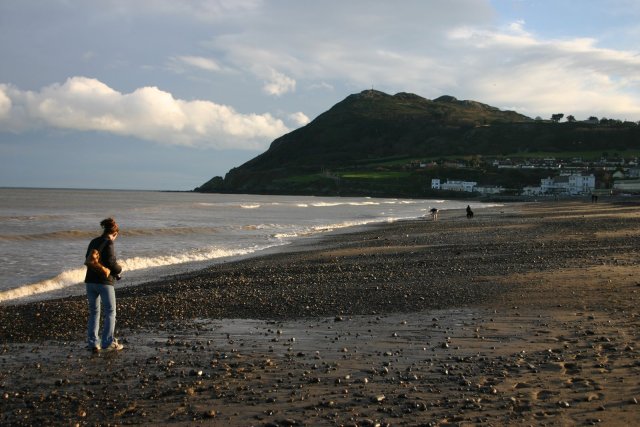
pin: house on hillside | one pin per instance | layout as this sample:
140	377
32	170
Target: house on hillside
504	164
633	173
618	175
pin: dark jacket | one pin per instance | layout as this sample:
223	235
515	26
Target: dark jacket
107	258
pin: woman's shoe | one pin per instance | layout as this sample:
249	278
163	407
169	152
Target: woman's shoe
115	346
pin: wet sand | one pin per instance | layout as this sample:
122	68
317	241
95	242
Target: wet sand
525	315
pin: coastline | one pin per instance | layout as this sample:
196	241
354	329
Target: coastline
166	234
526	314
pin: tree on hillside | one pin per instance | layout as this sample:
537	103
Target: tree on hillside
557	117
570	118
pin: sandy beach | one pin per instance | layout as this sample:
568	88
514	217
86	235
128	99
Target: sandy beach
525	315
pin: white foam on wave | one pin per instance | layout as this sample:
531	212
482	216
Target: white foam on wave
334	204
326	204
325	228
229	205
75	276
288	235
62	280
141	263
347	224
363	203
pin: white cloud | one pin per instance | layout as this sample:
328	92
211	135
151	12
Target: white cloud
321	86
545	76
149	113
299	118
358	42
5	102
202	10
200	62
431	50
318	52
278	84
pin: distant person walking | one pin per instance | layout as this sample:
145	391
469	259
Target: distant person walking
469	212
102	270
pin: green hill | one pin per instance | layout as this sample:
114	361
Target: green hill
360	145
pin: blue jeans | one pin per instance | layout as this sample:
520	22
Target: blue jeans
106	294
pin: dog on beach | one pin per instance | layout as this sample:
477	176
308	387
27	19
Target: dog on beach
434	213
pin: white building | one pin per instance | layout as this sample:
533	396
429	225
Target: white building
627	185
582	184
572	185
467	186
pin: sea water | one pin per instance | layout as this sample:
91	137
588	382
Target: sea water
44	233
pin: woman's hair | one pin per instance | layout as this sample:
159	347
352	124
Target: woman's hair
110	226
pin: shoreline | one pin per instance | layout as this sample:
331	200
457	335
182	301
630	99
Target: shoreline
526	314
63	278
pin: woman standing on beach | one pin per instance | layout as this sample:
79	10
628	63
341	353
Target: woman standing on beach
100	289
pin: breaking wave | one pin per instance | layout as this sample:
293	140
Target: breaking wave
331	227
75	276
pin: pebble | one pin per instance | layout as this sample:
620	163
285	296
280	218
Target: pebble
379	398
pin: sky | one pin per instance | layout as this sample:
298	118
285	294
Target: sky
166	94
